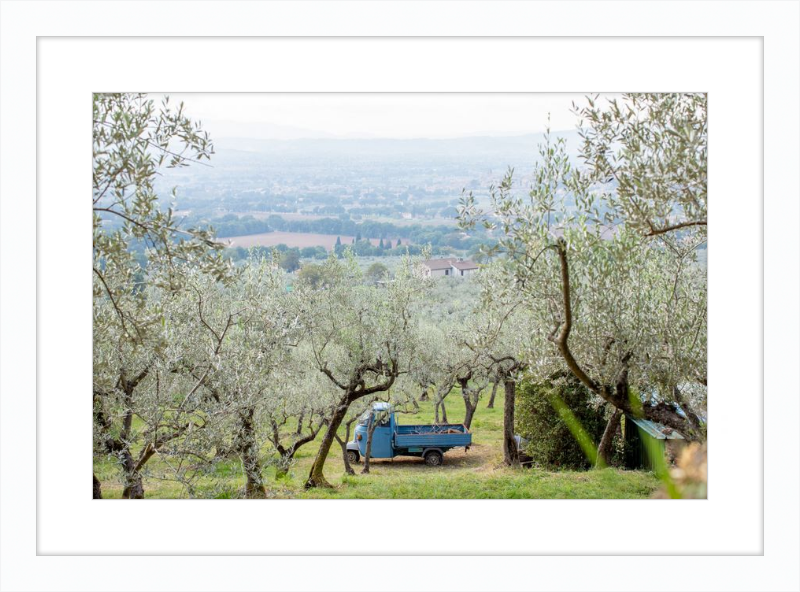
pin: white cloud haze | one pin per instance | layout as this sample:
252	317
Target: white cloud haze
378	115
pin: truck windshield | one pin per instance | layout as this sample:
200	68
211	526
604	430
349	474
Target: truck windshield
364	418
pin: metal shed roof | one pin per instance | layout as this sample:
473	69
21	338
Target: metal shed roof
656	430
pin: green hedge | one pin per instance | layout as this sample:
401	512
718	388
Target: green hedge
550	442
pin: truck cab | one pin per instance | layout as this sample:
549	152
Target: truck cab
390	439
383	417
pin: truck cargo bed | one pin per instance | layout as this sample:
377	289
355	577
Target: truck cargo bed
432	436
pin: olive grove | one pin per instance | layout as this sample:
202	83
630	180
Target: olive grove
205	365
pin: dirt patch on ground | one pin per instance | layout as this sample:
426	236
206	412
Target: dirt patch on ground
479	457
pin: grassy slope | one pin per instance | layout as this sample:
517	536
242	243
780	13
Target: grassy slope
478	473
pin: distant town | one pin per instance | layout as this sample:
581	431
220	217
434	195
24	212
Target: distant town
380	198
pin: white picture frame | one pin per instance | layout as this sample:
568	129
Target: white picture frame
746	536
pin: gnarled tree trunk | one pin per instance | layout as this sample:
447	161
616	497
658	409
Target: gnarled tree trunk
604	448
348	468
442	390
661	412
354	389
494	392
439	405
287	453
315	475
133	488
469	412
510	449
247	447
471	396
132	479
368	451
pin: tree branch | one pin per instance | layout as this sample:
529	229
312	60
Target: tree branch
664	230
560	338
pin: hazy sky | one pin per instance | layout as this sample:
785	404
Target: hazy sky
384	115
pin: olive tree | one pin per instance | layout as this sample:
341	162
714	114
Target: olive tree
499	338
472	380
362	338
150	387
652	148
299	407
449	357
249	383
436	364
132	139
449	361
601	296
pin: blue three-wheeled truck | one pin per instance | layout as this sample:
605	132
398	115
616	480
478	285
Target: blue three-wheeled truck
389	439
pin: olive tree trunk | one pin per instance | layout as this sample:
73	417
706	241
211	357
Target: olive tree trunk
133	487
368	452
471	396
248	452
510	449
494	392
287	453
604	448
469	411
315	475
439	404
348	468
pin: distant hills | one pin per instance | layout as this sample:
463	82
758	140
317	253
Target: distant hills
501	148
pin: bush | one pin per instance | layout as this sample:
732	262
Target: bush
550	442
376	272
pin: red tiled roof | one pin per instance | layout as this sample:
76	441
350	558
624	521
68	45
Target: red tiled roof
463	265
436	264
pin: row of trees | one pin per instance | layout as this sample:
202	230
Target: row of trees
220	369
291	256
436	236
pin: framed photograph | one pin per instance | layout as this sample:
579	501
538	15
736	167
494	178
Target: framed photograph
437	285
353	264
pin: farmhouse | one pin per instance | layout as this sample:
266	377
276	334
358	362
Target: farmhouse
450	267
462	268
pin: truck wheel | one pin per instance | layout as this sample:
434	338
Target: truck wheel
352	456
433	458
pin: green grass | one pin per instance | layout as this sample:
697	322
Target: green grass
477	473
